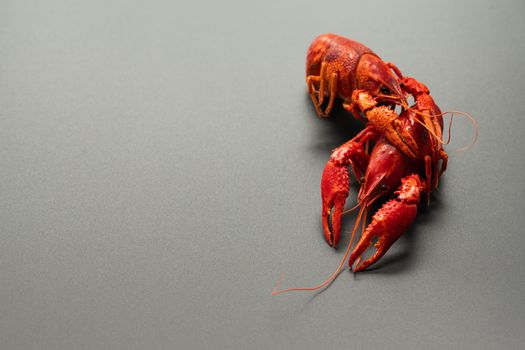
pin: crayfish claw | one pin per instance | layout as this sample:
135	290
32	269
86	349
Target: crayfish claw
332	225
334	190
389	222
335	184
362	246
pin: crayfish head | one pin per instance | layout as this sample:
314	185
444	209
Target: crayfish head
375	77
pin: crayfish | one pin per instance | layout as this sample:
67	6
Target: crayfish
397	156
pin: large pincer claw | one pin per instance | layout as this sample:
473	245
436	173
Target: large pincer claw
335	186
389	223
334	190
379	235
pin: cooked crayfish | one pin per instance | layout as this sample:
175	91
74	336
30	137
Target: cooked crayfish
407	157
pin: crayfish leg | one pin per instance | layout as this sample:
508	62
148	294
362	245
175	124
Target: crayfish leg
318	96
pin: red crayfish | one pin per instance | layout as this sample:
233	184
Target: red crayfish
396	156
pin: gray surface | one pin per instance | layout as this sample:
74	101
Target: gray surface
160	167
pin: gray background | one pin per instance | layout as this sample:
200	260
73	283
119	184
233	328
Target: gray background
160	167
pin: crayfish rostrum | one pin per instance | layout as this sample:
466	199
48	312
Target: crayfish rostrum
397	156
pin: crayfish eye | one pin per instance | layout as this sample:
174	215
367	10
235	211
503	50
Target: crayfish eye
385	91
